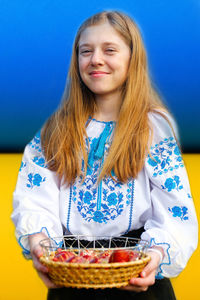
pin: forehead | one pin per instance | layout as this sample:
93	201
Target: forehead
101	33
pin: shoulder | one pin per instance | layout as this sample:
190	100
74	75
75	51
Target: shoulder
162	125
164	154
35	144
33	151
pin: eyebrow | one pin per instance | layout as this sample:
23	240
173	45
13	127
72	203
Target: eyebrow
105	43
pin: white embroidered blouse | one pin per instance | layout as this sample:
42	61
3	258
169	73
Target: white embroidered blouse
159	199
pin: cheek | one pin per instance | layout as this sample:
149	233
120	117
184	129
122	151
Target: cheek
83	62
121	70
83	69
120	65
125	60
81	65
126	67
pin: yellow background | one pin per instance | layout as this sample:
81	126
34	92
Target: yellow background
19	280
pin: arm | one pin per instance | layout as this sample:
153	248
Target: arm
36	206
36	252
173	224
172	227
36	198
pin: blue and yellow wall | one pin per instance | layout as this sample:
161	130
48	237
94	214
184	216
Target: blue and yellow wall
36	42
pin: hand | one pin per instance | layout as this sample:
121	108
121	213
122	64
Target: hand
36	253
147	276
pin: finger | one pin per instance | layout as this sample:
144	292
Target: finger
39	266
49	284
37	251
151	266
143	282
148	269
36	254
136	289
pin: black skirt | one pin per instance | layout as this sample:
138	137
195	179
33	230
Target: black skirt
161	290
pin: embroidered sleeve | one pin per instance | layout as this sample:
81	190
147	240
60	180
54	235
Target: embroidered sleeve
36	197
173	224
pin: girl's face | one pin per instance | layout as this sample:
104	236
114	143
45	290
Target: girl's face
103	59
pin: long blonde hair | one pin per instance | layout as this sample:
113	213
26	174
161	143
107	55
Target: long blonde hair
63	136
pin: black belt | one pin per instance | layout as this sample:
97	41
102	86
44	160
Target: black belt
135	233
105	242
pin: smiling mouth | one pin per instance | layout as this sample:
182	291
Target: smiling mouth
98	73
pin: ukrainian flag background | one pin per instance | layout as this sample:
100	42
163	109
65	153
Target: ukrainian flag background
35	48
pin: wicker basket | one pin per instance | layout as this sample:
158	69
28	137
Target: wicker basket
93	275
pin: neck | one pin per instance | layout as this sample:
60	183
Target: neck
108	107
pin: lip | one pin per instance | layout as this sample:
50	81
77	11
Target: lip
98	73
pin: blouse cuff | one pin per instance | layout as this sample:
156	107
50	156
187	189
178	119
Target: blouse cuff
158	252
165	259
23	241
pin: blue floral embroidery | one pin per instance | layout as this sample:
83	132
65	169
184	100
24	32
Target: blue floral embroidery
154	162
40	161
104	201
35	143
112	199
130	200
172	183
87	197
177	151
98	216
23	165
165	157
180	212
112	203
34	180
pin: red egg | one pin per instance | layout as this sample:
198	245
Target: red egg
63	255
120	255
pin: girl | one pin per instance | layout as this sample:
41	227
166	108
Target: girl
107	163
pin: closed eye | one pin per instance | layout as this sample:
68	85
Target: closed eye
110	50
86	51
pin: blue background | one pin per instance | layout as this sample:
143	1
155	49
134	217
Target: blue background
35	48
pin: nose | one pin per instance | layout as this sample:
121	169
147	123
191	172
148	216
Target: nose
97	58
